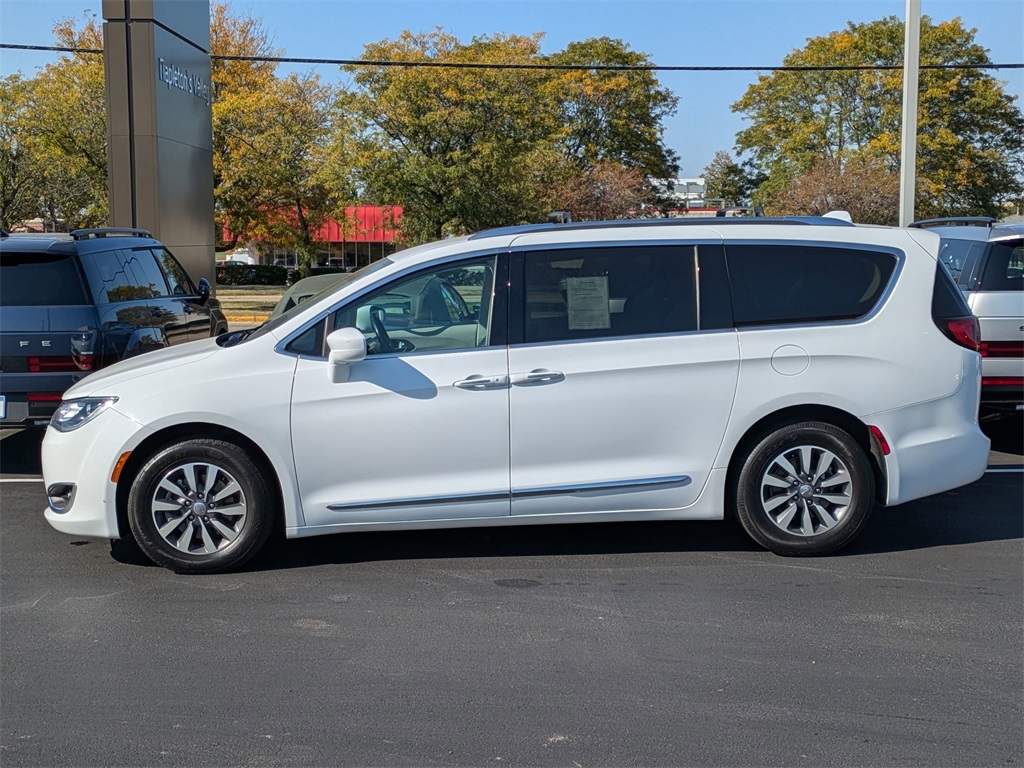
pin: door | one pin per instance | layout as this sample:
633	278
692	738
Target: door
420	429
619	400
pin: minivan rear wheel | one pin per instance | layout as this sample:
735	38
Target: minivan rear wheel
805	489
200	506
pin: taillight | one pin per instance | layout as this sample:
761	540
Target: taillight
964	331
1002	349
55	364
1002	381
45	397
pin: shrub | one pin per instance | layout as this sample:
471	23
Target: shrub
252	274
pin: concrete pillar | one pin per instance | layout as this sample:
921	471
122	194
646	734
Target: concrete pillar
159	124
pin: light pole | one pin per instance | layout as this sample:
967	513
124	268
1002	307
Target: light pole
908	150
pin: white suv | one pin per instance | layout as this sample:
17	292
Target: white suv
987	261
791	372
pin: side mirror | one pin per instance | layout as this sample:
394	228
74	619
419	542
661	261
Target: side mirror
204	290
347	346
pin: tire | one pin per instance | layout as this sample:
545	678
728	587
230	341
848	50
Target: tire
201	506
786	513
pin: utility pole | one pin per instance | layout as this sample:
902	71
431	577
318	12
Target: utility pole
908	150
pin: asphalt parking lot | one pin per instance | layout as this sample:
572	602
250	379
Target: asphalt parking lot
619	644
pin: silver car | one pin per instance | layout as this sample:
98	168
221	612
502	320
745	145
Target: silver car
987	261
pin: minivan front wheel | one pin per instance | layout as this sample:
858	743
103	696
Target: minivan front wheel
805	489
200	506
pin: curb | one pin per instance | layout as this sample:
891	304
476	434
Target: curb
233	318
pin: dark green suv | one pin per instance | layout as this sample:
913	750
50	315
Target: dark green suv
73	303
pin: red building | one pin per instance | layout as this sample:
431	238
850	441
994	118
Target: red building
368	233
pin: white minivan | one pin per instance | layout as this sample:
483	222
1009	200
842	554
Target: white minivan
791	372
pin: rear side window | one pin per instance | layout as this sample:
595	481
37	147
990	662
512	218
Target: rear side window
1004	267
37	279
605	292
960	257
124	276
778	284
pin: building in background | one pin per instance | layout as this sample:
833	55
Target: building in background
368	234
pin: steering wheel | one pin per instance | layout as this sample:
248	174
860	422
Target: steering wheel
384	342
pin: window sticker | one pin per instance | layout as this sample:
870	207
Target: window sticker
587	298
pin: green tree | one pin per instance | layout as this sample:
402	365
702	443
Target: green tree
970	133
727	180
608	115
458	149
20	187
278	140
65	126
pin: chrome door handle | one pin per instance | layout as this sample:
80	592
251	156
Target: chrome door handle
538	376
476	381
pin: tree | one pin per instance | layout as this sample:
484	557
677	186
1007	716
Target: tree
64	126
608	115
20	186
970	133
232	84
278	142
606	190
725	179
865	188
456	148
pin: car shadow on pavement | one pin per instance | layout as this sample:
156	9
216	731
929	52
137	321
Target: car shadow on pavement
950	519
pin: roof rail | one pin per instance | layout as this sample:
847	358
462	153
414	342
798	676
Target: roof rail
523	229
85	234
954	221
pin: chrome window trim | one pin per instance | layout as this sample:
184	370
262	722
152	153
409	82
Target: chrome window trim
555	490
280	347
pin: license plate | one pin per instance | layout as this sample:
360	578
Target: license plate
3	407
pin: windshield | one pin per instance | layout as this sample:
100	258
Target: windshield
254	333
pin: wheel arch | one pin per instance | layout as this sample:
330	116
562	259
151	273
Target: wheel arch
793	414
190	431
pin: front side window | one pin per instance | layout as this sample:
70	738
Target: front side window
779	284
124	275
586	293
441	309
177	279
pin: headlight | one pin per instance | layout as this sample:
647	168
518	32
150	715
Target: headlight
74	413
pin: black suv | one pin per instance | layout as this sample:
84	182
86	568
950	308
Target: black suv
73	303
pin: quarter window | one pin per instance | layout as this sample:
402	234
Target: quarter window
1004	267
773	284
588	293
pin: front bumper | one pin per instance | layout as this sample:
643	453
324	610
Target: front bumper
85	459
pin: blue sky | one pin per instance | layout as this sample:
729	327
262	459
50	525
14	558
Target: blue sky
671	32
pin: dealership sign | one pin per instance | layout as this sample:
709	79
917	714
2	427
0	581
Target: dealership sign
174	76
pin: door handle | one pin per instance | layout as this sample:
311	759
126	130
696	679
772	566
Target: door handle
537	376
476	381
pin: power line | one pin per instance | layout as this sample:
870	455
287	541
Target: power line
543	66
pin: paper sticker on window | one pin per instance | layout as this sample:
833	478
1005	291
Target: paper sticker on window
587	298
